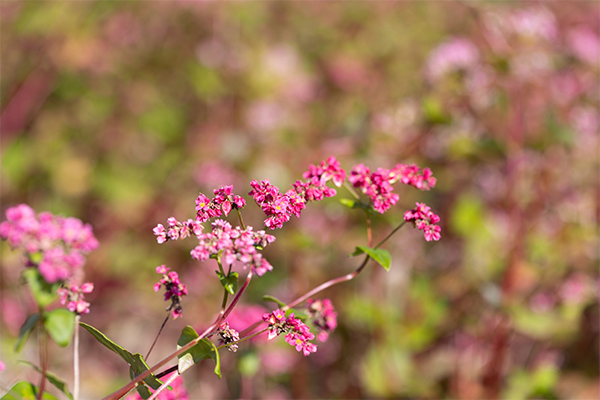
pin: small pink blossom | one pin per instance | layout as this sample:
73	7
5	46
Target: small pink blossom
424	219
323	316
73	297
228	336
174	289
296	332
454	55
234	244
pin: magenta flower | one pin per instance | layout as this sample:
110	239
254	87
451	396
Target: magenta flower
174	289
277	206
223	202
424	219
234	244
228	335
177	230
73	296
323	316
297	333
61	242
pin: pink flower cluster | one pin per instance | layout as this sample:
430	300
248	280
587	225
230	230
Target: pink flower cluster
58	243
228	335
174	289
234	244
296	332
279	207
378	185
74	298
314	187
424	219
223	202
323	317
177	230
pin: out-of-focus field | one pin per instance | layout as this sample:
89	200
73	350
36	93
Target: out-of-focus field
119	113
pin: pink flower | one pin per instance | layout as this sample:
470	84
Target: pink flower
296	332
235	244
174	289
61	242
585	44
323	317
228	335
277	206
424	219
73	297
453	55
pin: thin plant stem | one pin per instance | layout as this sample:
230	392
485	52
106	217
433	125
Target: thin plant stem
76	359
369	232
163	386
351	190
210	330
43	361
391	233
157	335
239	213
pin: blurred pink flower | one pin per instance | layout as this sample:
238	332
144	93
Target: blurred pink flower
542	302
243	316
453	55
585	44
534	23
576	289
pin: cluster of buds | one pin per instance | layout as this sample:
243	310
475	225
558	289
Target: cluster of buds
412	175
424	219
54	244
222	204
174	289
234	244
73	297
323	316
228	335
296	332
177	230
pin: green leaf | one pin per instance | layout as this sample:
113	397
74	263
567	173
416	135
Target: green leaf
380	256
229	282
280	303
203	350
26	329
350	203
25	391
135	361
43	292
53	379
60	324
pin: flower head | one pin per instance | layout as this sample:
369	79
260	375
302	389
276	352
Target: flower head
61	242
323	316
174	289
73	297
424	219
228	335
296	332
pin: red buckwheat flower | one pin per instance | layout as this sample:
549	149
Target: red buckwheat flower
73	296
296	332
323	317
174	289
424	219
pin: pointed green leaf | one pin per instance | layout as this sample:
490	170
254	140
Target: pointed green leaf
43	292
380	256
25	391
60	324
53	379
267	297
229	282
135	361
26	329
203	350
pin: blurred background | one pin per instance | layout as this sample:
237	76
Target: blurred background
119	113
